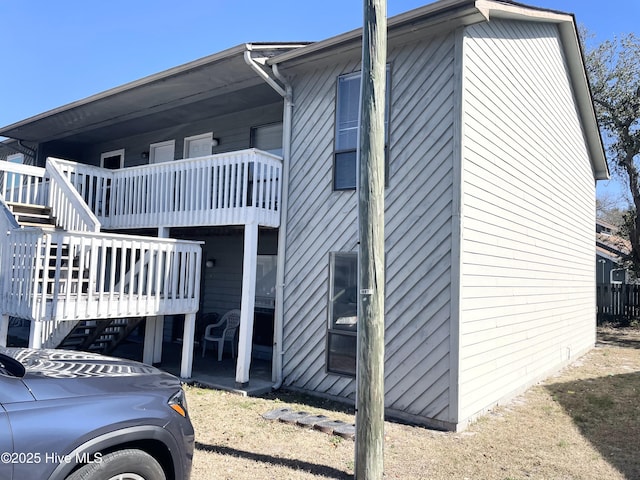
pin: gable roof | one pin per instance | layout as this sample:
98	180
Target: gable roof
223	80
445	15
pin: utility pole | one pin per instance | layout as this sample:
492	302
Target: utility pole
369	448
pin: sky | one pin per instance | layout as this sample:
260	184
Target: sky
57	52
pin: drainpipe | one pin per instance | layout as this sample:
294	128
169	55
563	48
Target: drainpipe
282	232
262	73
286	93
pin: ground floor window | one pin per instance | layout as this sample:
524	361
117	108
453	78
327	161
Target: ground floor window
343	304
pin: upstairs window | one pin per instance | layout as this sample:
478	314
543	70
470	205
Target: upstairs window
347	129
268	138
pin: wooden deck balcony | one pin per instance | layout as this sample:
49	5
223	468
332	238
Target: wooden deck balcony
77	271
234	188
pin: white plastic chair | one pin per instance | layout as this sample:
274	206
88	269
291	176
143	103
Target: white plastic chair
221	332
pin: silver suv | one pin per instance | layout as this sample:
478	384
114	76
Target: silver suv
80	416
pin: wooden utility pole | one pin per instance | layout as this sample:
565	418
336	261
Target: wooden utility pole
369	449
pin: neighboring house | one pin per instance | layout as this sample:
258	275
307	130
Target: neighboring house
491	140
611	252
617	290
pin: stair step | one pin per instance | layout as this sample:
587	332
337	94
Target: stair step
29	215
29	208
44	226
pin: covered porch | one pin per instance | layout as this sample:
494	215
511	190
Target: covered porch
207	370
234	181
116	274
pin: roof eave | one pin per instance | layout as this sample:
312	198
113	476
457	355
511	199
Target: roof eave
443	11
466	12
216	57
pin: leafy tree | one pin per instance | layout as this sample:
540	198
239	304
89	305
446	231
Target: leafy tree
613	68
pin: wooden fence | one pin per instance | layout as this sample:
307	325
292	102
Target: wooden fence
618	303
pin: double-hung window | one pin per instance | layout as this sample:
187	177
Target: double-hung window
347	129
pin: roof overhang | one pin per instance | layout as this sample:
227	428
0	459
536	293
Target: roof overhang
223	82
219	83
445	15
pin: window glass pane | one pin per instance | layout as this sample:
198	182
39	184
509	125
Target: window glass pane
344	170
347	125
344	297
348	110
268	138
342	354
343	308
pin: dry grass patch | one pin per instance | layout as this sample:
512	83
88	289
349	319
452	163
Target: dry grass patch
583	423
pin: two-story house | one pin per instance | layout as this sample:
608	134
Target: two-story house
491	140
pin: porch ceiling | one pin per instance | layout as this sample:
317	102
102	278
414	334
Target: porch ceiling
215	85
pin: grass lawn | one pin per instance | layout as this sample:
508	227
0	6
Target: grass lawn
583	423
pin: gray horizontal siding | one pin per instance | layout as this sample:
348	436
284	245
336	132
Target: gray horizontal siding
417	223
527	282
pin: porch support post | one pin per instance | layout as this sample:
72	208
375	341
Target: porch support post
149	340
163	232
187	345
249	264
4	330
35	334
159	336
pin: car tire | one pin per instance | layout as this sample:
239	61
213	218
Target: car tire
129	464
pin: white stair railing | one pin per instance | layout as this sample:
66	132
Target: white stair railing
67	206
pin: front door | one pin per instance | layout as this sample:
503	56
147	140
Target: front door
112	160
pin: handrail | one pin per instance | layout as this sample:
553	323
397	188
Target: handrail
67	206
7	219
85	275
22	183
7	222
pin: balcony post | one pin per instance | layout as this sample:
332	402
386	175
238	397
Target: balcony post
4	330
35	334
249	266
187	345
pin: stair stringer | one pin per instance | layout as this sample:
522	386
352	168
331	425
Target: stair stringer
60	332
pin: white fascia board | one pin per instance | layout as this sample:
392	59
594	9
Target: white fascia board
575	63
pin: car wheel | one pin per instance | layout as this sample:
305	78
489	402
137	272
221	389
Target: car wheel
130	464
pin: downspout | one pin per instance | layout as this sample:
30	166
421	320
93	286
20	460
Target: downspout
286	93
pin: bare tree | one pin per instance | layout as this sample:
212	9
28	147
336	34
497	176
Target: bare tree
614	72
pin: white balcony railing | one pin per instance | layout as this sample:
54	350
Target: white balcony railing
22	183
232	188
63	276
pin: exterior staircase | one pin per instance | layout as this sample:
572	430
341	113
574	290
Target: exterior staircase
101	336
